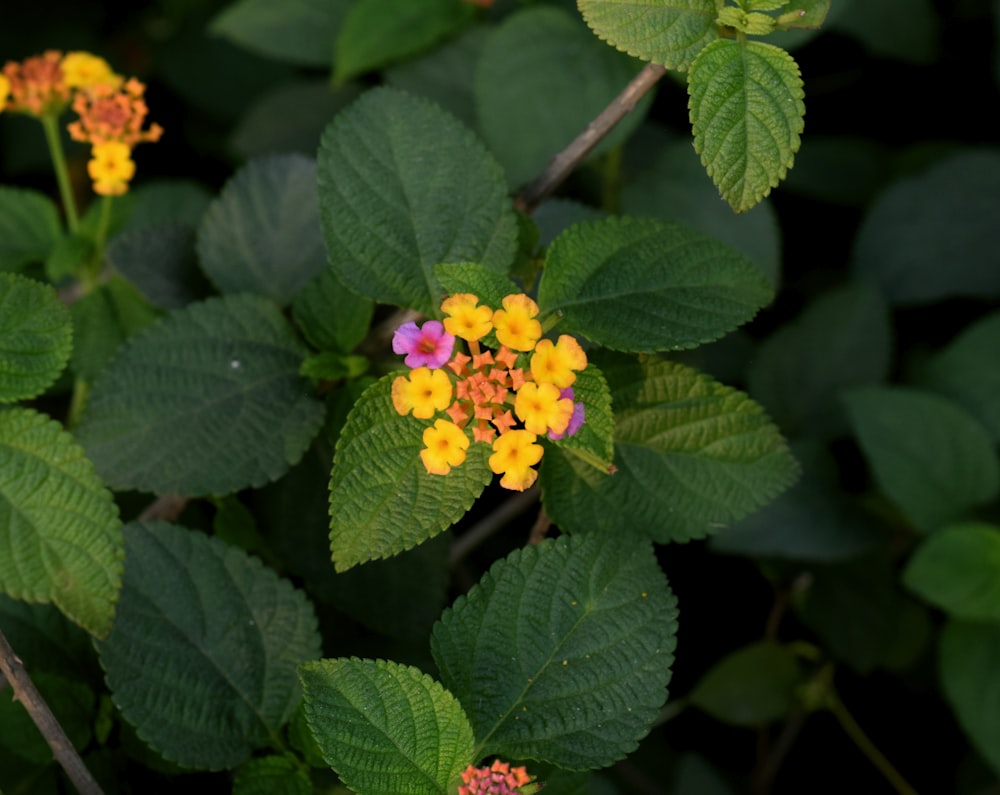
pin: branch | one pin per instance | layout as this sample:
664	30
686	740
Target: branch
62	749
483	529
569	158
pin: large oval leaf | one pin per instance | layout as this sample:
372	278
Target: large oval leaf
29	227
207	401
578	677
203	655
644	285
386	728
59	528
404	186
692	456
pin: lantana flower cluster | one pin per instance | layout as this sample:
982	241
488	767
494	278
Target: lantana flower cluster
111	110
508	397
497	779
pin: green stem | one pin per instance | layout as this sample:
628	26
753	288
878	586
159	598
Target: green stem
77	402
101	238
611	181
867	747
50	125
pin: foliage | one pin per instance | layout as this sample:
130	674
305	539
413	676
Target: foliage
717	360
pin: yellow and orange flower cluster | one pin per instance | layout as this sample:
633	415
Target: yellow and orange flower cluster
497	779
490	392
112	110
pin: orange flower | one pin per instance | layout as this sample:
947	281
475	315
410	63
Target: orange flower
36	85
113	113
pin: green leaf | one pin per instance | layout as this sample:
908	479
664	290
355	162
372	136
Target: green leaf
644	285
939	215
202	658
214	389
163	202
692	456
330	315
29	227
299	31
46	640
159	260
403	186
262	234
382	499
970	674
542	78
805	13
799	371
378	32
72	703
927	454
958	570
272	775
36	337
593	442
667	32
746	113
577	678
750	687
59	526
468	277
385	728
840	169
968	372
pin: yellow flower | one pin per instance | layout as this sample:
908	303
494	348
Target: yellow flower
465	319
514	453
82	69
111	167
541	409
555	363
425	393
515	324
4	91
444	447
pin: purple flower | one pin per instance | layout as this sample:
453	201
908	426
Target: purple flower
428	346
575	421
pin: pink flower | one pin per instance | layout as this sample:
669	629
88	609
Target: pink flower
428	346
575	421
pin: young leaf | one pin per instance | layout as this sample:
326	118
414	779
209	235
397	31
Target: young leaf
958	570
215	390
746	114
928	455
593	442
970	674
667	32
692	456
59	526
804	13
29	227
203	654
644	285
262	234
562	652
386	728
382	499
378	32
404	186
35	337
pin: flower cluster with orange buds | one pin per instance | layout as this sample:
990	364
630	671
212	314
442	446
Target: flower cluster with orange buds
111	110
507	398
497	779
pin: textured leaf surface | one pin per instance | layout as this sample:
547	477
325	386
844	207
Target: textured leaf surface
644	285
214	390
468	277
403	186
929	456
35	337
262	234
692	456
746	114
203	655
60	538
667	32
160	261
577	679
297	31
382	499
385	728
958	570
970	673
542	78
378	32
272	775
593	442
330	315
29	227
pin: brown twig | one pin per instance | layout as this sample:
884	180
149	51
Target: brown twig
62	749
569	158
540	528
167	508
482	530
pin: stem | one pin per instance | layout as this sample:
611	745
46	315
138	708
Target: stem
62	749
482	530
867	747
50	125
611	181
92	275
80	390
168	508
569	158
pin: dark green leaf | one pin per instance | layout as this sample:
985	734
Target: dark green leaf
272	775
577	678
331	316
29	227
165	202
907	30
160	261
72	703
468	277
